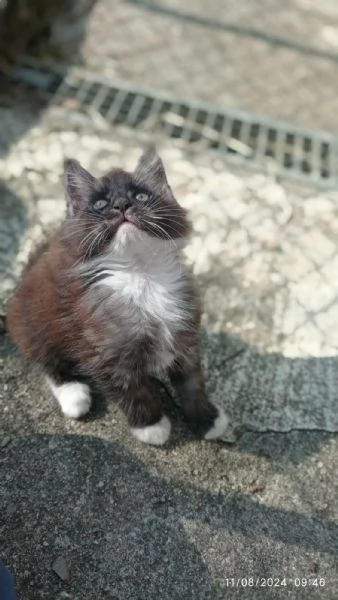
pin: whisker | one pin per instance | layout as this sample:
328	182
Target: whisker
164	216
172	228
166	237
152	225
90	240
170	207
165	205
96	239
172	214
81	231
86	238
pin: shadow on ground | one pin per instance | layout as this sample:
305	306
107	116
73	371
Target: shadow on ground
14	223
53	31
135	522
261	393
128	533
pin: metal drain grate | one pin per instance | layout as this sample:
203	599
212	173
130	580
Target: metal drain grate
241	137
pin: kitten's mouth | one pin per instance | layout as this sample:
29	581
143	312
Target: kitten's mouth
127	224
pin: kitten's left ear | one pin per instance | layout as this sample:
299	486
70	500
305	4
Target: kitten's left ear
150	172
79	185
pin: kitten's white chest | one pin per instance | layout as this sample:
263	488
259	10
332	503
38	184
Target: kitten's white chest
156	295
154	305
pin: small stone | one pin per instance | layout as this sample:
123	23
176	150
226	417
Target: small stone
4	441
255	489
52	444
107	589
60	567
11	509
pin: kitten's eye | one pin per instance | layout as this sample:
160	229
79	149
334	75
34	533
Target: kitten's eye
142	197
100	204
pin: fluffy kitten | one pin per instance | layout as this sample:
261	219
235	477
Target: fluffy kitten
108	301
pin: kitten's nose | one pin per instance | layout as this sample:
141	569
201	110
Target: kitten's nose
121	204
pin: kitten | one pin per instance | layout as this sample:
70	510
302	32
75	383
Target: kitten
109	299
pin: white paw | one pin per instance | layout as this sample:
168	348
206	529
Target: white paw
219	427
156	434
74	398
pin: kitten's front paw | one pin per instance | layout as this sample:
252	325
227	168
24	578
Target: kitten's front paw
74	398
157	434
219	426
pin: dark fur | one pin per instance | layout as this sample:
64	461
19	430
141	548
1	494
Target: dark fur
56	325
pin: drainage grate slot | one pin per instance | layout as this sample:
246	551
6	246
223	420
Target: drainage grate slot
242	137
107	101
289	151
124	108
236	129
308	155
116	105
202	117
145	110
325	162
271	143
210	126
253	136
92	92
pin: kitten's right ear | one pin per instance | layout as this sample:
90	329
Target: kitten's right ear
79	185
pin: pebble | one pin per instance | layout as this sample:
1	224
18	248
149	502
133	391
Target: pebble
52	444
4	441
60	567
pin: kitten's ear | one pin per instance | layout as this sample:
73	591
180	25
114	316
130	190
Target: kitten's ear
150	172
79	185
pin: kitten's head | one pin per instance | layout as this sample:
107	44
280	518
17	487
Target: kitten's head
122	208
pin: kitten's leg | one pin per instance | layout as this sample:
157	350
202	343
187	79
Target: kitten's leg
145	415
73	396
203	416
